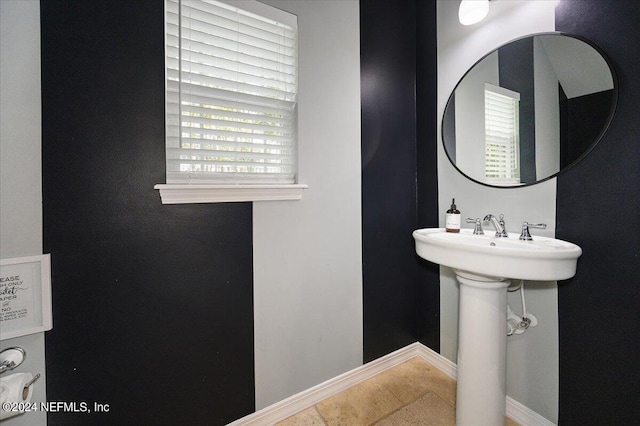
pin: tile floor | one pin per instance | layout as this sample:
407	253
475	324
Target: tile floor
411	393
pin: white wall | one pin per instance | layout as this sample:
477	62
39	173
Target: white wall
20	165
470	117
307	254
532	358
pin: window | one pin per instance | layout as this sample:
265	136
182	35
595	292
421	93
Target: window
502	158
231	94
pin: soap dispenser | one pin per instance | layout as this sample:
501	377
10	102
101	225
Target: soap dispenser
452	218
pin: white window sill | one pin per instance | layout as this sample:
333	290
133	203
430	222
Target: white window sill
192	194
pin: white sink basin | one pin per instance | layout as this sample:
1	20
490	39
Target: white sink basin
543	259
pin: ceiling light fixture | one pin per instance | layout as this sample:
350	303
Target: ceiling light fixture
472	11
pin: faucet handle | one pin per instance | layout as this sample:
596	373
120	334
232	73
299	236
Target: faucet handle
525	235
477	230
504	226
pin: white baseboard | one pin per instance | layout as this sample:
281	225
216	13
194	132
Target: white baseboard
308	398
524	415
434	358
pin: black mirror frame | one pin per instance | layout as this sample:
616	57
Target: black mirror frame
614	105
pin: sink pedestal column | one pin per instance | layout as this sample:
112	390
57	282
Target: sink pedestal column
482	349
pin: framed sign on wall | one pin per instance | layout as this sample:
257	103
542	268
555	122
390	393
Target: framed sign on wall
25	296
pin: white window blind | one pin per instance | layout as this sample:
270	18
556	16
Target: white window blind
231	92
502	158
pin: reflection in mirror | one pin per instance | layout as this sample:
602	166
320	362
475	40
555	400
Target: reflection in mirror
529	110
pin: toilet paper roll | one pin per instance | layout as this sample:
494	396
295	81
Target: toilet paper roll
12	392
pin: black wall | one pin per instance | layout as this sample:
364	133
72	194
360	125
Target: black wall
428	273
152	303
387	60
515	64
395	299
597	208
581	121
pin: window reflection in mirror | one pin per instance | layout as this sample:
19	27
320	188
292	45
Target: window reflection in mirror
501	135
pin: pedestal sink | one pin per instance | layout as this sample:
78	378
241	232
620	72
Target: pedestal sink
483	265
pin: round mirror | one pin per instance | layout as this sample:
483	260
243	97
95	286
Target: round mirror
529	110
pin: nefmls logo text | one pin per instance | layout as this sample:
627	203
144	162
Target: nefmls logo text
67	407
72	407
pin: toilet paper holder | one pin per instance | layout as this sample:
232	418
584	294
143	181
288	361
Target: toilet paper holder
16	393
25	389
11	357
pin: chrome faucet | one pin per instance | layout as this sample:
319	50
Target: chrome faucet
477	230
498	224
526	235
